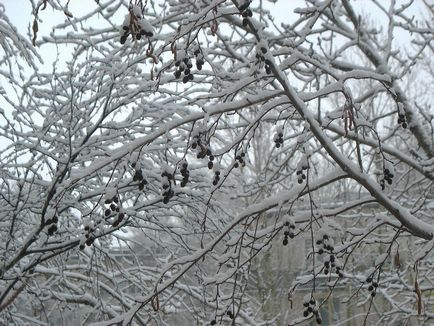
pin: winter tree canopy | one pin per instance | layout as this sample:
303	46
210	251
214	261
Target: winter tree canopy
217	162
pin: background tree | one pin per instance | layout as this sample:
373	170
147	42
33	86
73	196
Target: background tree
170	144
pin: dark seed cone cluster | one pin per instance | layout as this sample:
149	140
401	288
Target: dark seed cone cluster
138	176
311	308
89	235
135	25
114	211
278	138
211	162
388	176
330	263
166	183
184	172
216	178
184	66
402	121
301	175
113	215
260	59
239	160
267	66
199	144
199	58
52	224
245	12
326	244
373	285
289	232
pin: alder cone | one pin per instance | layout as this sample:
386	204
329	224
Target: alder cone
89	241
52	229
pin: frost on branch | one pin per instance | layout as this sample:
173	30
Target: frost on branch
243	168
